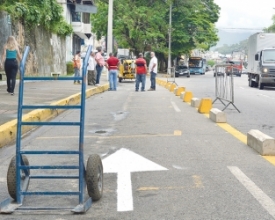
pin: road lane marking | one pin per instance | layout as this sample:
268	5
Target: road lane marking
264	95
175	107
270	159
3	179
176	133
240	136
197	181
124	162
155	188
267	203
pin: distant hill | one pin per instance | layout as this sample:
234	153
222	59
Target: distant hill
232	37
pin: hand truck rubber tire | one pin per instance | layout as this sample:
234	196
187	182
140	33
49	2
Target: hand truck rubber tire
11	176
94	177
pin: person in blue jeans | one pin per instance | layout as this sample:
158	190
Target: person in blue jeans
112	64
99	65
153	68
141	71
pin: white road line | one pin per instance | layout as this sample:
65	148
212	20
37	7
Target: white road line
264	95
175	107
124	192
258	194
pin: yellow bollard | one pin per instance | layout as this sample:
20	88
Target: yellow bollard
168	85
180	90
205	106
172	87
188	96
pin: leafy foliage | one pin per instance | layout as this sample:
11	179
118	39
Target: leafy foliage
143	25
271	28
211	63
47	13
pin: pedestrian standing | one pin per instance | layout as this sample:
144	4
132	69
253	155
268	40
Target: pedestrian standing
77	66
153	68
91	69
112	64
10	55
99	65
141	71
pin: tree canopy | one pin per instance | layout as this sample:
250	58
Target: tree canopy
271	28
143	25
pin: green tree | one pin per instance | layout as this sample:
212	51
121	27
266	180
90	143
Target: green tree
142	25
271	28
139	23
47	13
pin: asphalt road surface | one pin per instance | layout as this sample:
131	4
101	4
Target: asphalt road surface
257	106
161	158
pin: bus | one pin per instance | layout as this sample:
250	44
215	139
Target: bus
197	65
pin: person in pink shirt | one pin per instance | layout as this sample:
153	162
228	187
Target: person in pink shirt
99	64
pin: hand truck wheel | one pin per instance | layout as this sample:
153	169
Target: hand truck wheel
94	177
11	176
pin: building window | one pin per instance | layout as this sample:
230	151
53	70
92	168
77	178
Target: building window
76	16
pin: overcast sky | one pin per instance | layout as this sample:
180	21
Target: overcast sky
245	13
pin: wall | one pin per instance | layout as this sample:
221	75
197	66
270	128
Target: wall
47	51
5	29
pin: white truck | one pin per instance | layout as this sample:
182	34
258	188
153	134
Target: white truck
123	53
261	60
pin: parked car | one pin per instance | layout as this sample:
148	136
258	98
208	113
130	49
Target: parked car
207	68
182	71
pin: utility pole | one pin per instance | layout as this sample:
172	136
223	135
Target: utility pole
110	28
169	36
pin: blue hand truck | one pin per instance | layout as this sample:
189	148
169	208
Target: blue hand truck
19	170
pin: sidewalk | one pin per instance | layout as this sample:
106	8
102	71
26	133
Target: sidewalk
38	92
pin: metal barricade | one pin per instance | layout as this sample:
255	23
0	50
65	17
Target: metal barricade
173	75
224	85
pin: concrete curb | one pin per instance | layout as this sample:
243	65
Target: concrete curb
260	142
9	129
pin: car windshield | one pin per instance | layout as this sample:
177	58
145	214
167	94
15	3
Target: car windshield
182	68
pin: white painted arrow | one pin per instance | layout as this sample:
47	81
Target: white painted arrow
123	162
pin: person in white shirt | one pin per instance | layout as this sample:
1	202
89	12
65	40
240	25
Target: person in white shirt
153	68
91	70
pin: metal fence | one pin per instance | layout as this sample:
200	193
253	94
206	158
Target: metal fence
172	75
224	85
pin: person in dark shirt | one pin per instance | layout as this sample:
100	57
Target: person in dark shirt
10	57
141	71
112	64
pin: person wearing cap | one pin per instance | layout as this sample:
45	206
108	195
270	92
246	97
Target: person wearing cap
141	71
